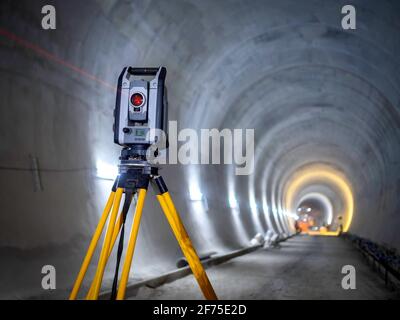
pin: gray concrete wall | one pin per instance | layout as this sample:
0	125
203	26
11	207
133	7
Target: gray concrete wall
312	92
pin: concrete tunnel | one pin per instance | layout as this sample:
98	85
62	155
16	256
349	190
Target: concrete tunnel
323	103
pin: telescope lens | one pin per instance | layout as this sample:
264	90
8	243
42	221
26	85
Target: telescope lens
137	99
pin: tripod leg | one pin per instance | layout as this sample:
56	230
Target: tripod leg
184	241
117	228
104	252
131	245
116	231
92	247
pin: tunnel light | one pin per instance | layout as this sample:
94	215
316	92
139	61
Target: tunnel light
253	206
105	170
233	203
324	200
194	193
308	210
292	215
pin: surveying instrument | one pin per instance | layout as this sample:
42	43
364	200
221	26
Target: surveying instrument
140	120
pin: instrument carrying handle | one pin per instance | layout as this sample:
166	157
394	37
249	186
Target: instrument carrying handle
143	71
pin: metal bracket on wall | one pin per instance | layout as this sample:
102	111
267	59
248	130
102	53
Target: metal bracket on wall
37	182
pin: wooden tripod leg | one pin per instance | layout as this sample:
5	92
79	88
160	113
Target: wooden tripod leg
131	246
92	247
186	245
93	295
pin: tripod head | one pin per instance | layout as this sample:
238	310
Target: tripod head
140	114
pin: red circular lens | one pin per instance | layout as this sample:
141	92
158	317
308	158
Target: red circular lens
137	99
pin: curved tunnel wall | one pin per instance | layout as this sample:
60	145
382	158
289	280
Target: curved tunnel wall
314	94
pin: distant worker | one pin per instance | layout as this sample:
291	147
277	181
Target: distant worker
297	226
340	225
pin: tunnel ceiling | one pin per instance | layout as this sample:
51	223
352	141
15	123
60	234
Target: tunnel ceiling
315	94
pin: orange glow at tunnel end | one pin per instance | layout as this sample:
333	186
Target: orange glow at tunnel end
325	174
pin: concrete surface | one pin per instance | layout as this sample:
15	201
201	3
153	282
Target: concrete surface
302	268
313	93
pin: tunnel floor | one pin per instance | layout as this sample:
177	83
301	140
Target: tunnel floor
303	267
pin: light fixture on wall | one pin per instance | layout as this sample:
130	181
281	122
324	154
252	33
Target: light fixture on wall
233	203
253	206
105	170
195	193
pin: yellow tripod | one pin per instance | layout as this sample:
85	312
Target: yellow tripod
134	178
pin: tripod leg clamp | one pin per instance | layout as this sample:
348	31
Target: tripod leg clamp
161	186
